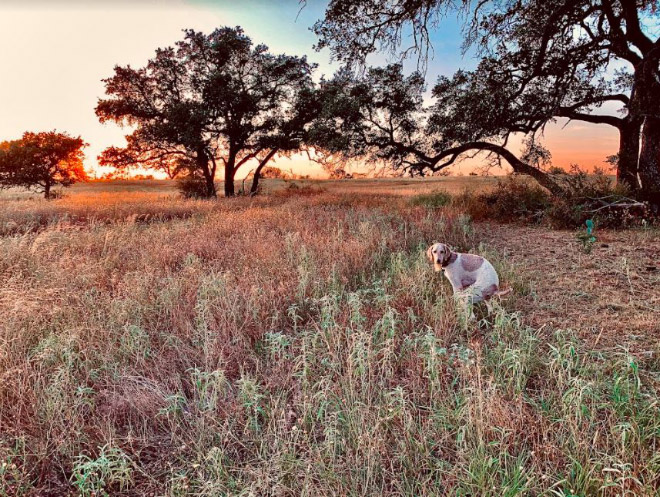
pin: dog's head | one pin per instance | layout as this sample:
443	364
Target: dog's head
439	254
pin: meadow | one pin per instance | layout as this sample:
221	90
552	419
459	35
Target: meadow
299	343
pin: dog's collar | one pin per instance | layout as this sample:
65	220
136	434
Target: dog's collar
451	259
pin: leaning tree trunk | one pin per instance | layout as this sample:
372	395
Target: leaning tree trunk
257	173
649	160
518	166
626	173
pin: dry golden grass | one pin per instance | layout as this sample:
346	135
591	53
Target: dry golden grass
298	344
147	200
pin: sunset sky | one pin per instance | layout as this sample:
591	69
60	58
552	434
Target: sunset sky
54	54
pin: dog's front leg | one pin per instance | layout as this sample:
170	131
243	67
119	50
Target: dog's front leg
464	308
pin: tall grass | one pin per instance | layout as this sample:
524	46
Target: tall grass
298	345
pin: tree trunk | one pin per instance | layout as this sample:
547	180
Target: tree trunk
644	104
209	179
626	173
210	187
257	172
47	190
649	160
230	172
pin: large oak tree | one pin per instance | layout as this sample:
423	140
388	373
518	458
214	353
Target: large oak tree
557	59
213	100
381	116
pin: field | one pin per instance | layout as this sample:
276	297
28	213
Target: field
298	343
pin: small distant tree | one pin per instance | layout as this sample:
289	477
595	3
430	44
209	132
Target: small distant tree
339	173
41	161
272	173
212	100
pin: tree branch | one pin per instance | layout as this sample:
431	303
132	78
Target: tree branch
633	28
517	165
590	118
618	37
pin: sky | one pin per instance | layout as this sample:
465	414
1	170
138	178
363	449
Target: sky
53	56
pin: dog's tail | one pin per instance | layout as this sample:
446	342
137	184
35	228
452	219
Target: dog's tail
501	293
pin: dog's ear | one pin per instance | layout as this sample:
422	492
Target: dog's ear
448	252
429	254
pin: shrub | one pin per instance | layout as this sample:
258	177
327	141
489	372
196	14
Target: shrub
431	200
271	172
586	196
294	189
513	198
56	195
594	196
192	186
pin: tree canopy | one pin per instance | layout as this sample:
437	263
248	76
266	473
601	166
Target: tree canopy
540	60
381	116
40	161
213	99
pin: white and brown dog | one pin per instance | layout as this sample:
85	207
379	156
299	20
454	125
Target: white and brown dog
471	276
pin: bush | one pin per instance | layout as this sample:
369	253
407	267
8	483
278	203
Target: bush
594	196
192	186
513	198
431	200
294	189
586	196
56	195
271	172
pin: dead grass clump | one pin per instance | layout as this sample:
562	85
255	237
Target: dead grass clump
299	190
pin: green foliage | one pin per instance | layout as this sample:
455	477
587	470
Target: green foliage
587	238
41	161
540	60
177	104
513	198
431	200
15	480
355	111
111	469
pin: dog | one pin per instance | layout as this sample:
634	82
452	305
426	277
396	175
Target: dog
471	276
